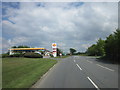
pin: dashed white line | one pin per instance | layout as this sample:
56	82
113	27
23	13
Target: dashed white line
89	61
79	67
105	67
93	83
74	61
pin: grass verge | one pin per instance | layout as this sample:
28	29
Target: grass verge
23	72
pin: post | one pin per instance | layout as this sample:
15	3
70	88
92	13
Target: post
11	53
54	49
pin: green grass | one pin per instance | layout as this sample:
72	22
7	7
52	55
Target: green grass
23	72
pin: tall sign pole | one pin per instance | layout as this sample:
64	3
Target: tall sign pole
54	49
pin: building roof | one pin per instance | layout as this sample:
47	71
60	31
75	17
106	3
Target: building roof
27	49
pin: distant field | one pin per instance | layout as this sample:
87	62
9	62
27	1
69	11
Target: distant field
23	72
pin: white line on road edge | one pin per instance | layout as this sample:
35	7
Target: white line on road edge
48	70
74	60
89	61
93	84
105	67
79	67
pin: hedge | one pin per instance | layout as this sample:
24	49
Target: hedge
32	55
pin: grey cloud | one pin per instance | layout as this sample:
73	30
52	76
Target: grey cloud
68	25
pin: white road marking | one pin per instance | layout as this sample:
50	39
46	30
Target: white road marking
93	83
79	67
74	61
89	61
48	71
105	67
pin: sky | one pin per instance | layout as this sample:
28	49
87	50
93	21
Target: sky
69	24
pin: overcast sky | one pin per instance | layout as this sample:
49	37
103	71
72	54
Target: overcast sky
71	25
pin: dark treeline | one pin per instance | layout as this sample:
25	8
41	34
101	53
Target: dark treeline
20	46
109	48
59	51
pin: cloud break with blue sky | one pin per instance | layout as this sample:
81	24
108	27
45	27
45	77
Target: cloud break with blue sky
70	24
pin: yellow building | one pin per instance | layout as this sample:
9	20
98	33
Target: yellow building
24	50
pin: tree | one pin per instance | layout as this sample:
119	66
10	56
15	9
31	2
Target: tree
97	49
109	48
100	47
92	50
72	51
23	46
59	51
112	46
20	46
14	47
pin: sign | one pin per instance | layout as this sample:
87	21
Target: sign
54	49
54	45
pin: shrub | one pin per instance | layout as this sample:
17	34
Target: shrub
5	55
17	55
32	55
51	55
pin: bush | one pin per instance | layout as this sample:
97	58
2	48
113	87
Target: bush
32	55
51	55
17	55
5	55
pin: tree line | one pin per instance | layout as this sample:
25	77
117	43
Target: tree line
108	48
20	46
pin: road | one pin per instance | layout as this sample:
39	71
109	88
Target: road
80	72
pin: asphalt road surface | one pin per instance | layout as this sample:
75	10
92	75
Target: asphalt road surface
80	72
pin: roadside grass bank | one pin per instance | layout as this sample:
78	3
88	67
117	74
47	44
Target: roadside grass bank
95	56
89	55
108	60
24	72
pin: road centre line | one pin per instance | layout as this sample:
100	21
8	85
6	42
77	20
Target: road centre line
89	61
93	83
79	67
105	67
